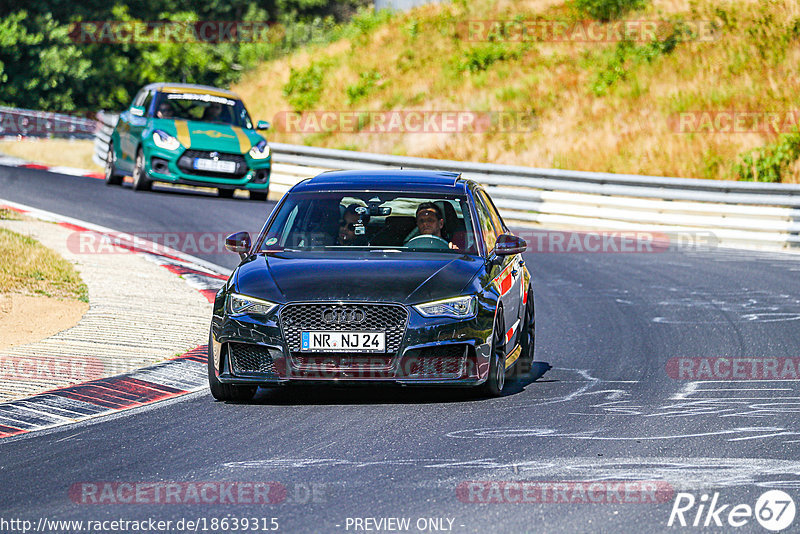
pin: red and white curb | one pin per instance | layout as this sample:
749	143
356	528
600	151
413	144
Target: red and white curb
174	377
10	161
178	376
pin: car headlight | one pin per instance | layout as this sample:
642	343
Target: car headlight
163	140
458	307
260	150
238	304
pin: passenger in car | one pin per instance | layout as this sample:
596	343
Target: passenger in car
352	227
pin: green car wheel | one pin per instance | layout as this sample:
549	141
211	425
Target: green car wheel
112	177
140	181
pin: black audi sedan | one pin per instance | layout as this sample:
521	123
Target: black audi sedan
394	277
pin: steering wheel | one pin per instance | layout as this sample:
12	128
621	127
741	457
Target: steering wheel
428	241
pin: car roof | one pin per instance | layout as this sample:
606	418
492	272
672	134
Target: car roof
385	180
191	88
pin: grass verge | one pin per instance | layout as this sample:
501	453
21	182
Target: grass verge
27	267
53	152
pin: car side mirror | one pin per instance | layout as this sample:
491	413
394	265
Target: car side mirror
239	243
263	125
137	111
508	244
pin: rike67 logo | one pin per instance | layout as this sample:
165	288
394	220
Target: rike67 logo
774	510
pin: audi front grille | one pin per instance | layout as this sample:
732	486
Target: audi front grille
251	359
388	318
445	361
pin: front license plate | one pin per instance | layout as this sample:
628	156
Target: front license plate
322	341
202	164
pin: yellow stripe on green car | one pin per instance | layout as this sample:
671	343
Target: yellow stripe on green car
182	128
244	141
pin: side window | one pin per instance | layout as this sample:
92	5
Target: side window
496	220
244	118
139	98
146	104
289	226
485	222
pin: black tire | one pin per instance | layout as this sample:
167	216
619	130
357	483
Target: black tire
226	392
112	176
527	336
259	195
493	387
140	181
225	193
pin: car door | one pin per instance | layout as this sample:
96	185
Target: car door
125	150
500	272
138	120
517	260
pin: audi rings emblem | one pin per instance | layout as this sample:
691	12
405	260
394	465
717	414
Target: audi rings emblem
343	315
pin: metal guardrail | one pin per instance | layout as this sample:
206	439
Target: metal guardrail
32	123
740	214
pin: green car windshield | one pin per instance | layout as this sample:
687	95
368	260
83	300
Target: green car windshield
201	107
379	220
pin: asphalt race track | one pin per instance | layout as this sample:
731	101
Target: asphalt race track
611	409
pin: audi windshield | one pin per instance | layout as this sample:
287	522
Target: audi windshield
376	220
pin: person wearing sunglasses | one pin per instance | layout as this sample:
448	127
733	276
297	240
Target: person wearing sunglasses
351	227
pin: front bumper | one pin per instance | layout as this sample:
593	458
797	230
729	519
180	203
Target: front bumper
440	351
162	166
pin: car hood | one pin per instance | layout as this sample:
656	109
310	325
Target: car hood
408	278
200	135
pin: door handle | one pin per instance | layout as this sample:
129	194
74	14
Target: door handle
521	263
514	272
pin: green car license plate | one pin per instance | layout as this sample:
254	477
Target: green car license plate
211	165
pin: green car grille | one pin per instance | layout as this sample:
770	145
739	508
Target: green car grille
186	161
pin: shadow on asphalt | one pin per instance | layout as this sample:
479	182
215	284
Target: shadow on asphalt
184	190
383	394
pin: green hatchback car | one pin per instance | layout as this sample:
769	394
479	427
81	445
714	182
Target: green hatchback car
189	134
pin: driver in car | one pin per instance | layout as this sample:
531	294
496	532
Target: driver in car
164	111
430	222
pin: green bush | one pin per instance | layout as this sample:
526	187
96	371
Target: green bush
42	67
304	88
769	163
366	82
480	58
605	10
626	56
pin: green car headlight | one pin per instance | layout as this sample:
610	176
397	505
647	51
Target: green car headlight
163	140
459	308
238	304
260	150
